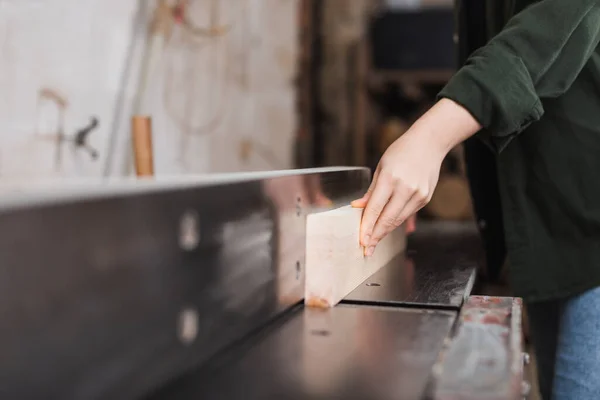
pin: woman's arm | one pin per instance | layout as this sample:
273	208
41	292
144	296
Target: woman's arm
408	171
537	55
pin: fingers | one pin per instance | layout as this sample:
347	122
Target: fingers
409	213
396	212
388	220
377	201
362	202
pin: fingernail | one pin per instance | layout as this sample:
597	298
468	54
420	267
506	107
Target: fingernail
370	250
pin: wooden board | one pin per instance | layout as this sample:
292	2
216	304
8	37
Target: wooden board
335	261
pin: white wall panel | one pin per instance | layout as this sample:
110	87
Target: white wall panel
218	104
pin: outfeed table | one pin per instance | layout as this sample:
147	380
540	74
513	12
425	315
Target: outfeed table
192	289
410	332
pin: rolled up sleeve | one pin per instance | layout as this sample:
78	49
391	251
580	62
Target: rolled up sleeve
538	55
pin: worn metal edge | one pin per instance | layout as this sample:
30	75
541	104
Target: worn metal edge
514	384
57	192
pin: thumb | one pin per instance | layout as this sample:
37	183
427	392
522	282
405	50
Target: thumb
362	202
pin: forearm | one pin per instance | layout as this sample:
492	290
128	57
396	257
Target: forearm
537	56
445	125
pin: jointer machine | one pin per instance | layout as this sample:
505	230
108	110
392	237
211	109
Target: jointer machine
193	288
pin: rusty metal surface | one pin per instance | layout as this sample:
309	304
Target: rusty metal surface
438	270
111	292
484	360
347	352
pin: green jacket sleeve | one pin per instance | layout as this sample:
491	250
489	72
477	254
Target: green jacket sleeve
538	55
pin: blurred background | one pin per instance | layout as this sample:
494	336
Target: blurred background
229	85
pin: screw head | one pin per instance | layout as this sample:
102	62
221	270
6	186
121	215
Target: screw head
525	389
187	326
189	230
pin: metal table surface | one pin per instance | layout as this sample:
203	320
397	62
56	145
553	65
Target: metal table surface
438	270
380	343
347	352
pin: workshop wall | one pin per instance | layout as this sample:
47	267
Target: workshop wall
217	77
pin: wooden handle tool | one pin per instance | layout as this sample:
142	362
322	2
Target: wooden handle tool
141	132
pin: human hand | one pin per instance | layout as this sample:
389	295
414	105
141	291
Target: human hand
402	184
408	171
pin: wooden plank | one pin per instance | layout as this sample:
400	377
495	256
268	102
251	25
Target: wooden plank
335	261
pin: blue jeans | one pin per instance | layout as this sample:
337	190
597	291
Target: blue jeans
566	339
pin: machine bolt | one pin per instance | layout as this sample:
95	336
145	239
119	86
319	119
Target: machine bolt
525	389
189	231
187	326
298	269
298	206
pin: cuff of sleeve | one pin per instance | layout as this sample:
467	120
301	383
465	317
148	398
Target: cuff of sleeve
497	90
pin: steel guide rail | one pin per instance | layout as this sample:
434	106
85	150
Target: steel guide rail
109	292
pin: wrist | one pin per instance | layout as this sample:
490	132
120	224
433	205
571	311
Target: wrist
446	125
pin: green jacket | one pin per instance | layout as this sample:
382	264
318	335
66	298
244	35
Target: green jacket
535	88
